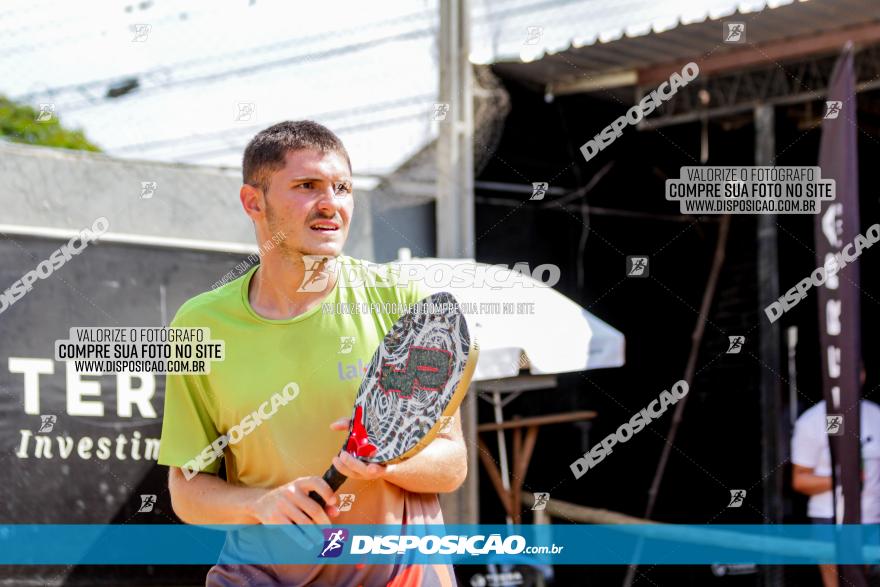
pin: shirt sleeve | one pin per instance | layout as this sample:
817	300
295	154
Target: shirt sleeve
187	425
805	446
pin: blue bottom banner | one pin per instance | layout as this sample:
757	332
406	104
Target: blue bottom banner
658	544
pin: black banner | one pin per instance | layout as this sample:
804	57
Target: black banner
79	448
836	227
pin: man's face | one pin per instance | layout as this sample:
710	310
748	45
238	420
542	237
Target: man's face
310	202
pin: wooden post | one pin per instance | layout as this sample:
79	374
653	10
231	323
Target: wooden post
771	390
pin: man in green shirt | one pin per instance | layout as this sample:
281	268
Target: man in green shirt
281	398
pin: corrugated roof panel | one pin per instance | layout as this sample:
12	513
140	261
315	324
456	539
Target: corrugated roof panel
633	48
500	26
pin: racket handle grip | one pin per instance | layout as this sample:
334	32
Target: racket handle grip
334	479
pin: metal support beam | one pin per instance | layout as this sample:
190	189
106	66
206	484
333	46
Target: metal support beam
455	158
774	52
605	81
455	208
770	355
742	91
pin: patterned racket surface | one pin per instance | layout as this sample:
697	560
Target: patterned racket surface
418	375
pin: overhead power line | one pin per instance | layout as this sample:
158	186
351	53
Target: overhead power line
94	91
356	127
232	133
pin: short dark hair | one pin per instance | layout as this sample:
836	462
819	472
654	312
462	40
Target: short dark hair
265	153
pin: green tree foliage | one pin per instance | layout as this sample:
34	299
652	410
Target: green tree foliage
19	124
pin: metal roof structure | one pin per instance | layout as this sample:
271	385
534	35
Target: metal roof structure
608	53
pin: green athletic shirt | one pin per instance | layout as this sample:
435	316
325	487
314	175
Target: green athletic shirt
262	357
323	351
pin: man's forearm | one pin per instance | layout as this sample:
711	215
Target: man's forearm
811	484
440	468
207	499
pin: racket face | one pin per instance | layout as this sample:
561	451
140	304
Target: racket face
418	375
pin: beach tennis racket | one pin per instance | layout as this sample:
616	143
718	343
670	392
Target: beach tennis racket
419	374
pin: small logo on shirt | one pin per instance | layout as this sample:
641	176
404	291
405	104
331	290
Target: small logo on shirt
346	500
346	344
334	541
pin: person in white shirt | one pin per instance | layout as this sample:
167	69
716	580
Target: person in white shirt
811	475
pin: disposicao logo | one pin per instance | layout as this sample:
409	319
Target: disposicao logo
334	542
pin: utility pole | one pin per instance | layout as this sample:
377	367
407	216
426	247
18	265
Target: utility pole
455	206
770	337
455	157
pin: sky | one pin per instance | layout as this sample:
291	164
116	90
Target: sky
212	73
198	61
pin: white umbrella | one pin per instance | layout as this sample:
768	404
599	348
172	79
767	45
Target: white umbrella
523	316
520	317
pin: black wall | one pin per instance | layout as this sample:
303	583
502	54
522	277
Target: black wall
718	447
105	285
